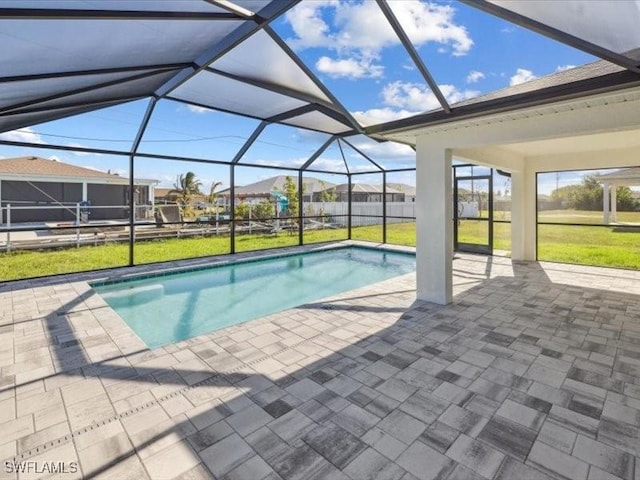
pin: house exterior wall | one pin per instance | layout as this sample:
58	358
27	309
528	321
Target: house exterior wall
115	196
61	199
21	194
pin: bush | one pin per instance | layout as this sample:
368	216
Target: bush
259	211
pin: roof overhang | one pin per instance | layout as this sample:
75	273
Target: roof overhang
408	129
74	179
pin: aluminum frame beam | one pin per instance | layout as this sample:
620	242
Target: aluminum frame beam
317	153
90	106
281	43
98	71
233	8
79	14
363	154
413	53
344	159
244	31
555	34
274	88
18	108
254	136
127	153
296	112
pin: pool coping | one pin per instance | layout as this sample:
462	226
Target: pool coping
119	274
238	261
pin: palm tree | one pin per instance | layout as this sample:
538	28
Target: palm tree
213	195
187	185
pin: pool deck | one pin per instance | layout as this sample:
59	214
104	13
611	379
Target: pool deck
533	372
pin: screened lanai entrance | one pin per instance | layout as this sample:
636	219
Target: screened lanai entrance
481	210
473	214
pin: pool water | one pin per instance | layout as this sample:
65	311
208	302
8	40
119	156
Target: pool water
170	308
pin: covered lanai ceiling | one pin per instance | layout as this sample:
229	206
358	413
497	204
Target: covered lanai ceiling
68	57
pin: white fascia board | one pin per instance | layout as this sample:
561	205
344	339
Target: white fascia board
74	179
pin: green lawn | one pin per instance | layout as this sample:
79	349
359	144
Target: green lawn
589	245
401	234
584	216
477	231
573	244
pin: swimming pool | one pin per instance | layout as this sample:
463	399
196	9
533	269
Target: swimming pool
177	306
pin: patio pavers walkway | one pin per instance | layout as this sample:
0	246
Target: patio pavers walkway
532	373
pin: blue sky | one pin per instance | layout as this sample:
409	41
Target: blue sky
353	51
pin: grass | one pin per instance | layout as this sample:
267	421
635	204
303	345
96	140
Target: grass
584	216
559	243
32	263
589	246
477	231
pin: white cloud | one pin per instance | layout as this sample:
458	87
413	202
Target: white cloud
386	150
475	76
26	135
374	116
307	23
197	109
562	68
420	98
362	26
334	165
522	75
351	68
405	99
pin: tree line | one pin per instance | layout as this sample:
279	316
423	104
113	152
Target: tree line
589	195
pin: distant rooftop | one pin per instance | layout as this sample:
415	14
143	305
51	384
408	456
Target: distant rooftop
277	184
626	176
28	167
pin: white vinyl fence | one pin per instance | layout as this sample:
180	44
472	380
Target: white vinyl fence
364	213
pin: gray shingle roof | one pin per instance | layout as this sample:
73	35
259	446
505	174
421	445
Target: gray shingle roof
42	166
277	183
584	72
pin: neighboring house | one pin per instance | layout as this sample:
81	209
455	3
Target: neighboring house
408	190
262	190
40	182
363	193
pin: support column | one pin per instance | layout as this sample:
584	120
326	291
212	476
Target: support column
434	223
523	215
605	203
614	201
85	192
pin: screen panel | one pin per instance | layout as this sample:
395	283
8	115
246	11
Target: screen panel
49	46
261	58
215	91
612	26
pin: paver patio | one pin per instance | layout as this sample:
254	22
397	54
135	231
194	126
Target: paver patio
532	373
